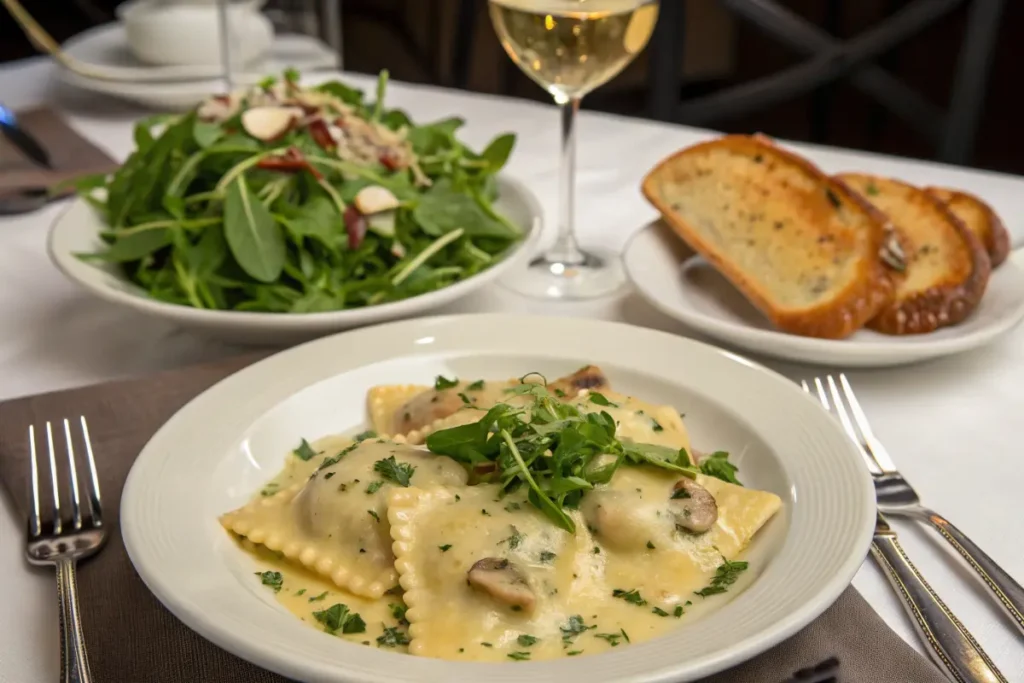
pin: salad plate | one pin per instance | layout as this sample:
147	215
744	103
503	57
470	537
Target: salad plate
218	452
280	212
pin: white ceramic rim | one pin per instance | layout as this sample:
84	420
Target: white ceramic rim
903	350
830	524
75	270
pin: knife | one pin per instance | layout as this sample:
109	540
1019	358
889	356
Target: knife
21	139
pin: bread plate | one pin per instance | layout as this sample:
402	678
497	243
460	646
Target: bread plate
216	451
685	287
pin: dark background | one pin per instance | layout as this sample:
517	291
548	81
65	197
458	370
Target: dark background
415	40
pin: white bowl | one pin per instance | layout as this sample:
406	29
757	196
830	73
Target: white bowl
226	443
189	33
77	231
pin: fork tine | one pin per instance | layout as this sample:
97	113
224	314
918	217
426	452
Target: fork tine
844	418
94	479
822	394
34	521
874	446
76	501
57	526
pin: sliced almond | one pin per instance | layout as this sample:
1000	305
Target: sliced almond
374	199
269	123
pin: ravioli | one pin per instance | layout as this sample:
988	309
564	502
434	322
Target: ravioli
335	522
638	420
648	550
440	535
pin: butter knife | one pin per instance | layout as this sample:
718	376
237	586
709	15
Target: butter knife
951	646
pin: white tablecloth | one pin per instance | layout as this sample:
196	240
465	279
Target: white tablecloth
953	426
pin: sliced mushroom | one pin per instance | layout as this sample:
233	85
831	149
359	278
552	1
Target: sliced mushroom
270	123
588	377
694	507
503	581
375	199
218	108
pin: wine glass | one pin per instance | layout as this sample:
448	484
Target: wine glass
571	47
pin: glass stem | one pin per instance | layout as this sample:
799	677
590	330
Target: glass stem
225	44
565	248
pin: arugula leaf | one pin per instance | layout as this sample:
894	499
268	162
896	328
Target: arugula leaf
498	151
255	241
476	386
394	471
717	465
442	209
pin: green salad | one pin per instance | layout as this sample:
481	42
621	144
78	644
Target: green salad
288	199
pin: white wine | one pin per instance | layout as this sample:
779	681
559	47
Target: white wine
571	47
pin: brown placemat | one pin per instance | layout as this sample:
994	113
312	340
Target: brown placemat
70	154
131	638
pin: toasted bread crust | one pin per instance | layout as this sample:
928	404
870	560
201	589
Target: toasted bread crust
956	294
990	228
847	311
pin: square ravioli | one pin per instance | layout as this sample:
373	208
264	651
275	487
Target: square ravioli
335	522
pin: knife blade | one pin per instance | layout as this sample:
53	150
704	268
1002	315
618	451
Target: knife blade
21	139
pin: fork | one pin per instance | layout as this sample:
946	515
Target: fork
55	541
952	647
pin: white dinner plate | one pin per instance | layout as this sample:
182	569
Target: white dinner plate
686	287
77	230
105	48
224	445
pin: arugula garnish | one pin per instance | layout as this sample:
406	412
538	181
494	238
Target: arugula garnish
725	576
338	617
272	579
600	399
304	451
717	465
476	386
583	446
394	471
374	487
441	383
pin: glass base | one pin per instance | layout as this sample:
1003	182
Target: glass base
599	273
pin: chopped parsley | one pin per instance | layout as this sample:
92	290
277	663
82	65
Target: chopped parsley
485	512
514	540
398	612
476	386
374	487
546	556
270	489
465	400
717	465
678	611
300	591
392	470
660	612
487	644
328	476
612	638
272	579
318	598
368	434
526	640
656	426
335	459
833	198
630	596
518	656
597	551
338	617
392	637
512	506
600	399
650	546
573	627
573	653
871	189
441	383
457	498
725	576
304	451
444	548
373	513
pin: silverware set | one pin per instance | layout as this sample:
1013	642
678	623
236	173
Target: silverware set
58	539
950	644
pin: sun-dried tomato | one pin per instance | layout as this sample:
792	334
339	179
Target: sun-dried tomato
355	226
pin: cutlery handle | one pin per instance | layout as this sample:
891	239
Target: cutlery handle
74	664
953	648
1000	584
